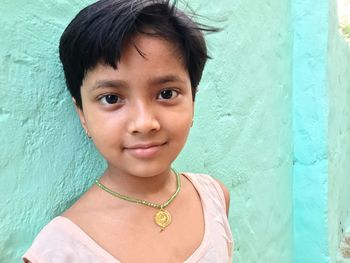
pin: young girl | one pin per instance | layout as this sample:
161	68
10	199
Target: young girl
132	68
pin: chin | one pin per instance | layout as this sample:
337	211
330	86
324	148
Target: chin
143	169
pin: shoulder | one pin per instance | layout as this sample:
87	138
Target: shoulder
62	240
42	242
56	226
207	182
226	195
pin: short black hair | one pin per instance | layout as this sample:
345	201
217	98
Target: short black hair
97	33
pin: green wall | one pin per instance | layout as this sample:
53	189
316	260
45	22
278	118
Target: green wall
243	126
310	109
321	96
272	121
339	141
242	131
45	159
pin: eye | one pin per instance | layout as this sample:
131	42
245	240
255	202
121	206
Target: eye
167	94
110	99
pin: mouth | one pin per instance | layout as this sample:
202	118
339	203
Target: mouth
144	150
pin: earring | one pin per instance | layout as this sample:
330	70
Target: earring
88	134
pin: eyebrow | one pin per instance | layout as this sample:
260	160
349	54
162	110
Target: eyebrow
165	79
120	83
108	84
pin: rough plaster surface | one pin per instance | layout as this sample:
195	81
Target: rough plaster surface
310	131
45	161
339	142
242	131
243	125
322	127
321	85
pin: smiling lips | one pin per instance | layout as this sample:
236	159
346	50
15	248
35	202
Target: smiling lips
146	150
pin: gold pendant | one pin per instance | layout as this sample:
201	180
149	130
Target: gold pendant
162	218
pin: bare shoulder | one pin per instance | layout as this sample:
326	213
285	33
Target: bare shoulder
226	195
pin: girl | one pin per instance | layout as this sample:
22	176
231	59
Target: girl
132	68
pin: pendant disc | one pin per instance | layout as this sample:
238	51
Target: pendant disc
162	218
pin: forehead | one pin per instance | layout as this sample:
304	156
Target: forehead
146	47
143	58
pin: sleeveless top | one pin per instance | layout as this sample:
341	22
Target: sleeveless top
62	241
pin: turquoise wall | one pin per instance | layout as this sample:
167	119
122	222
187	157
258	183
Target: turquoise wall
242	132
310	112
46	162
45	159
321	95
272	122
339	142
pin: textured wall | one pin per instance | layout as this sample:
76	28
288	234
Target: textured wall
242	131
321	86
339	142
243	125
45	161
310	112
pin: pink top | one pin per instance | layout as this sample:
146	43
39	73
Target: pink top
62	241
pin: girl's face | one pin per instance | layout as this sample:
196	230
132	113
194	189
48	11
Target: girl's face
140	114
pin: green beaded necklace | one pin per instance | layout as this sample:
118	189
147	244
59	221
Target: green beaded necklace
162	218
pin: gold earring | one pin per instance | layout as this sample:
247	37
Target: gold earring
88	134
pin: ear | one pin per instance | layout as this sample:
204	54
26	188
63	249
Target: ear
81	117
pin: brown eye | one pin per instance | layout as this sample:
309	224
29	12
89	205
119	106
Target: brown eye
110	99
167	94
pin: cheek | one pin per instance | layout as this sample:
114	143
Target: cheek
180	126
104	126
183	120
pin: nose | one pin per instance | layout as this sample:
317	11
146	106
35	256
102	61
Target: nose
143	119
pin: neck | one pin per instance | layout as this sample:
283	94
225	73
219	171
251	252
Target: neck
160	185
